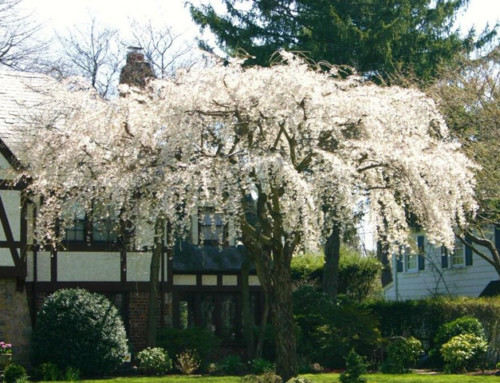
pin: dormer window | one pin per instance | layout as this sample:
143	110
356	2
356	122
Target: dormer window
212	230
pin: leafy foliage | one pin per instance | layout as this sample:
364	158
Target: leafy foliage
79	329
327	331
376	36
176	341
355	367
14	372
231	365
358	275
154	361
464	352
402	354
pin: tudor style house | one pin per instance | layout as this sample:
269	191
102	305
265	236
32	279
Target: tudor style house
200	283
428	271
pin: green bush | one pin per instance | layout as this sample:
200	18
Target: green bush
13	372
260	366
464	352
358	275
402	354
79	329
176	341
355	367
49	372
423	318
459	326
231	365
153	361
328	331
268	377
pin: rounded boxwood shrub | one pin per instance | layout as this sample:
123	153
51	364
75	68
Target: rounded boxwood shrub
13	372
402	355
79	329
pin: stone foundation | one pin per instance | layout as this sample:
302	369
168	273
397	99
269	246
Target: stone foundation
15	321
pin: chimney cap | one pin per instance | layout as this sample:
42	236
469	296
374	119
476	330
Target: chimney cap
133	49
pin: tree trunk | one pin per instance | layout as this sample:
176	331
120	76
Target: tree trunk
262	331
154	281
246	315
331	268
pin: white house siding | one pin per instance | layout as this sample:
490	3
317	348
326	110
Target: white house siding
6	258
5	169
138	265
435	280
12	203
88	266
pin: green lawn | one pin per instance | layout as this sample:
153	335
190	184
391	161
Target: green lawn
317	378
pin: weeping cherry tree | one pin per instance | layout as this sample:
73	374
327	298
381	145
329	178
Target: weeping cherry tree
285	153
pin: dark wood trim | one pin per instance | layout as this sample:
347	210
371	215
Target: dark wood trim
10	185
8	244
53	266
131	287
9	156
123	265
20	266
8	272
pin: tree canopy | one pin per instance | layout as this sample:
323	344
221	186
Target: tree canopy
381	37
281	152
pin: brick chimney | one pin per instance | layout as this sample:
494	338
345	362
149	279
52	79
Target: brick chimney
137	69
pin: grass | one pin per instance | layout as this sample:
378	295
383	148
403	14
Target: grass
317	378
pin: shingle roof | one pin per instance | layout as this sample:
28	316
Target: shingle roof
21	96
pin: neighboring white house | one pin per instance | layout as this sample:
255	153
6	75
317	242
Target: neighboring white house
427	271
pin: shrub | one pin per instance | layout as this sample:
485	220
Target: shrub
459	326
49	372
176	341
464	352
260	366
188	362
153	361
329	331
268	377
72	374
355	367
358	275
79	329
231	365
14	372
423	318
402	354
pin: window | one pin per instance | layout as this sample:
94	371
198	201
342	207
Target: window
415	261
76	231
100	228
411	259
457	258
211	228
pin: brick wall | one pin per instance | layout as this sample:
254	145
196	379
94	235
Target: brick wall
15	321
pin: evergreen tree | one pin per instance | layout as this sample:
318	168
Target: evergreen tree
380	37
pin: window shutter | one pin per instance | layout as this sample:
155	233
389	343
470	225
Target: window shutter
421	259
444	257
399	263
468	254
